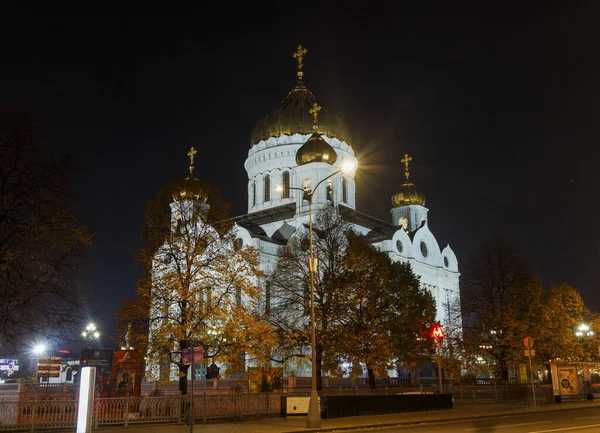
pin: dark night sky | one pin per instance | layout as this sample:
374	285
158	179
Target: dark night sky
498	108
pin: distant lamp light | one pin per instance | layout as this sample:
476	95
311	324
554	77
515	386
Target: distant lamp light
39	348
584	330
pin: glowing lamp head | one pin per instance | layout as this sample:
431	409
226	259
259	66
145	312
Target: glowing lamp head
38	349
348	167
278	188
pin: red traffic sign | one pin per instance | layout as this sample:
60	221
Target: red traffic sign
528	342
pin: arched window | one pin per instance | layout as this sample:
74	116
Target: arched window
267	188
306	186
329	191
253	193
69	376
344	190
286	184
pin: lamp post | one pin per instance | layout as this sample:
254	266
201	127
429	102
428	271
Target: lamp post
438	334
90	334
314	406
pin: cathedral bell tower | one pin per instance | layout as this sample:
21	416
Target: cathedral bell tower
409	209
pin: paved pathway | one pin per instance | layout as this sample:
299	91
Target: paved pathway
298	424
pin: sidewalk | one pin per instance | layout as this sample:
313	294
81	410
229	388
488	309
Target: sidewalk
298	424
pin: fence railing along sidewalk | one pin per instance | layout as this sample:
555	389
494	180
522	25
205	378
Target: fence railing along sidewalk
60	414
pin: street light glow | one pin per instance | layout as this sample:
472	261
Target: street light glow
584	330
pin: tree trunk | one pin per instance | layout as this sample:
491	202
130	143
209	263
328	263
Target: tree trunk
372	383
183	378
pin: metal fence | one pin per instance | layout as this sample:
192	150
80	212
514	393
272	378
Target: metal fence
60	414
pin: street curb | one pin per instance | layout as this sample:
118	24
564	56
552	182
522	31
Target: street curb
437	421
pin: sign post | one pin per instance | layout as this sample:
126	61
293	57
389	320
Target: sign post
528	342
190	356
48	366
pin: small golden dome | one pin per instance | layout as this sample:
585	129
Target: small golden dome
189	188
316	149
408	194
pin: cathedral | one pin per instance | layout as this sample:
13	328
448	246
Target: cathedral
283	152
299	147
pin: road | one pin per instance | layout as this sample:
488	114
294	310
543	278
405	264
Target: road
575	421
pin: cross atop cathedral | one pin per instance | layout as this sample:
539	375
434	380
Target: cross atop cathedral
405	161
192	153
299	55
315	113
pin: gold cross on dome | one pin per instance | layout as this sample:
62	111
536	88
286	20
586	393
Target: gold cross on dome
299	55
191	154
405	161
315	111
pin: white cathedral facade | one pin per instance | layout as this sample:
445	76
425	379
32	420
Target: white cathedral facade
285	151
274	215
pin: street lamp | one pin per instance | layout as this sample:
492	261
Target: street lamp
584	330
90	334
314	406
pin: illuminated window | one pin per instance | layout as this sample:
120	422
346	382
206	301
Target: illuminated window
286	184
344	190
267	188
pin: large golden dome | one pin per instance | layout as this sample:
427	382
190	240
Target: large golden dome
293	116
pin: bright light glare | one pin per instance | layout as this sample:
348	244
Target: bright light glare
38	349
348	167
278	188
91	327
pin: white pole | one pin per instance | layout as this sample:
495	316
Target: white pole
86	399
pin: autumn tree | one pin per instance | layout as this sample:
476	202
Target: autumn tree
383	313
290	287
43	246
199	287
501	302
563	311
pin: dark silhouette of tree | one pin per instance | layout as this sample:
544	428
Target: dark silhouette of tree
290	285
42	244
383	314
501	301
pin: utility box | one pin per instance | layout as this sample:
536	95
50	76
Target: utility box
296	406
